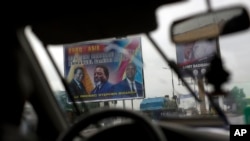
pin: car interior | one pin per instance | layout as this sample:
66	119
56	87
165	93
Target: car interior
67	23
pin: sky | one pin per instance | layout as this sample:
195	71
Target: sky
157	75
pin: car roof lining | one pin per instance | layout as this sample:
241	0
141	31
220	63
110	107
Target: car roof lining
86	24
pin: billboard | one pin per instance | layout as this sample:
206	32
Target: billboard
105	70
193	58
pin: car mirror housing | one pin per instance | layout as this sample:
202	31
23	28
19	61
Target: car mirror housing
210	25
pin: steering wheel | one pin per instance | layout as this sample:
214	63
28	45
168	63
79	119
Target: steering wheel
95	116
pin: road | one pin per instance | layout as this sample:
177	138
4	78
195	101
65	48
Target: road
236	119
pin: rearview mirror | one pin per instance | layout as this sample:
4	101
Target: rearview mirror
210	25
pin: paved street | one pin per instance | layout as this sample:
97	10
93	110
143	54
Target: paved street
236	119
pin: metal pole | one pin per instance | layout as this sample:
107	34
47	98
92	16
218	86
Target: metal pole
132	103
172	79
172	82
196	104
209	6
123	102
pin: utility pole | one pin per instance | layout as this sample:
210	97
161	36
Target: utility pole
172	82
172	77
174	97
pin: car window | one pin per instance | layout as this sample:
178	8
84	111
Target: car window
98	72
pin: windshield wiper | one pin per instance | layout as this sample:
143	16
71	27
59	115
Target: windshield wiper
216	76
217	62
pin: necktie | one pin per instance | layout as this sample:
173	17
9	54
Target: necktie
97	89
132	86
79	85
133	89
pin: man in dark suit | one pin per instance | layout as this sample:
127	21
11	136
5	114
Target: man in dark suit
76	86
129	84
101	76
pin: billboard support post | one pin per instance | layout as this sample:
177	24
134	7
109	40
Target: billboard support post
123	103
132	104
201	91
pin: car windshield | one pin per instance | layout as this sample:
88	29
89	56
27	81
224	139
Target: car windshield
128	72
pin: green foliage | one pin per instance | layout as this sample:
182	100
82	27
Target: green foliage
247	101
170	104
238	97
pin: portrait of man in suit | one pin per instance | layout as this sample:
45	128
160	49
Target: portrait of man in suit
129	84
76	86
101	76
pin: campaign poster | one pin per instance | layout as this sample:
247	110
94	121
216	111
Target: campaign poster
104	70
193	58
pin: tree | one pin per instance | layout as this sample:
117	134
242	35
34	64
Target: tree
247	100
236	96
